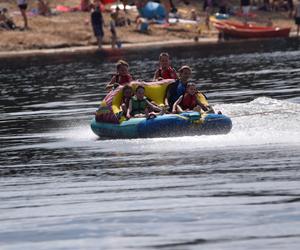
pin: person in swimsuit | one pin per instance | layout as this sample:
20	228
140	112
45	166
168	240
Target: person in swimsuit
189	101
22	4
165	70
139	105
122	77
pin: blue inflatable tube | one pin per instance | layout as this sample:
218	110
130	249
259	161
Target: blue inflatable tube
189	123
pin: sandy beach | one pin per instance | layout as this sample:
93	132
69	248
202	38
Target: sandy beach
73	30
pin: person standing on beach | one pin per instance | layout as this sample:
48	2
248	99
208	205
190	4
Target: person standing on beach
97	23
43	8
167	5
112	24
208	8
22	4
85	5
290	5
297	17
245	7
125	3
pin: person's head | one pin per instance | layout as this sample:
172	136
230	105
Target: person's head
127	91
114	15
185	73
97	3
164	60
140	92
191	88
122	67
193	14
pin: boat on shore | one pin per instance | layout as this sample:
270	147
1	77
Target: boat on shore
109	121
231	29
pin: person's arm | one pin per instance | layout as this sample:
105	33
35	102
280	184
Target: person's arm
174	74
156	75
203	107
167	96
176	104
210	109
129	110
111	84
154	107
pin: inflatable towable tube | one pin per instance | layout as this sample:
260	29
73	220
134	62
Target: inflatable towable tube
109	121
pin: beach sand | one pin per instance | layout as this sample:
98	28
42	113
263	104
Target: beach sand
67	30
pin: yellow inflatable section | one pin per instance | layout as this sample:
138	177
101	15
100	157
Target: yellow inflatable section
155	91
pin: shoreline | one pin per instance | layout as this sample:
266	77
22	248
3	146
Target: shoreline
206	44
94	49
51	36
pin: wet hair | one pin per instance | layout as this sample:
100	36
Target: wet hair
126	87
191	84
163	54
139	87
185	67
122	63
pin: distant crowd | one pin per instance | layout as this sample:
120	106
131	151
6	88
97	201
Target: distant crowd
96	7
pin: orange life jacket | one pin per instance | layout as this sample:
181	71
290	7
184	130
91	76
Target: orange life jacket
122	80
169	73
188	102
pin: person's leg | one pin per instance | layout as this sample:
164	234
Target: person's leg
23	12
124	108
207	11
179	109
99	41
113	41
246	12
147	112
197	109
125	2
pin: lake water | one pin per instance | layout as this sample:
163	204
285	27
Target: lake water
61	187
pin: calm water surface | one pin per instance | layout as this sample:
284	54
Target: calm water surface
61	187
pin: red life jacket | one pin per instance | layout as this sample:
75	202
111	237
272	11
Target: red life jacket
169	73
188	102
122	80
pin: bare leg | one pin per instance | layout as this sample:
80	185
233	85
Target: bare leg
179	109
124	108
139	116
124	5
99	41
113	41
147	112
197	109
207	11
23	12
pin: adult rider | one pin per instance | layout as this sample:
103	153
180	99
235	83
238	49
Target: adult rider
177	89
